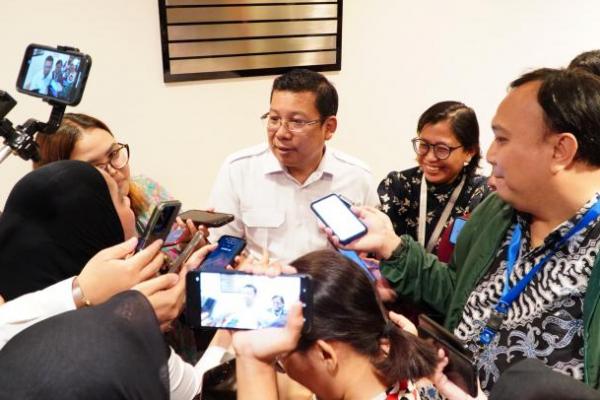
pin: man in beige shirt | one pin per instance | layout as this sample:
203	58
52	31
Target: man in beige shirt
269	187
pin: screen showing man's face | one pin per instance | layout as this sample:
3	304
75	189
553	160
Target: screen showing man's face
47	67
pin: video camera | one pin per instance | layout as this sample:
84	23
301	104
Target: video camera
57	75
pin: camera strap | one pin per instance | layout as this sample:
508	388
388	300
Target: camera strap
435	235
509	294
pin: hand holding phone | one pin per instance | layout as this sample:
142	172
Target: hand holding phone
237	300
160	223
461	369
336	214
196	241
209	219
227	249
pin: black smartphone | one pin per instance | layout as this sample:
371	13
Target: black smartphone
209	219
228	247
53	74
237	300
336	214
160	223
461	368
194	242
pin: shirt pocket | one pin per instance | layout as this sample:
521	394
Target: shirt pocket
263	225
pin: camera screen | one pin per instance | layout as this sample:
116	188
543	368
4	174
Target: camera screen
338	217
241	301
52	74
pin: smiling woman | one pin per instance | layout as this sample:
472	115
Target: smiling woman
424	201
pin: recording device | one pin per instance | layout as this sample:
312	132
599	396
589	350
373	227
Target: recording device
57	75
209	219
237	300
227	249
187	252
461	368
160	223
457	226
336	214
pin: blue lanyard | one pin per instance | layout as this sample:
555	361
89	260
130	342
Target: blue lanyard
510	294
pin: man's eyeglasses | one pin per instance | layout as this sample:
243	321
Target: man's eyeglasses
273	123
440	150
117	158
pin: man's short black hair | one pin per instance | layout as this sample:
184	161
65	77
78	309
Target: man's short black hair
305	80
49	58
570	99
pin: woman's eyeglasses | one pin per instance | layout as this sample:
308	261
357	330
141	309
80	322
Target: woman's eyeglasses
117	158
440	150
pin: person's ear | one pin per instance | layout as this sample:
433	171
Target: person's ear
327	355
330	125
564	151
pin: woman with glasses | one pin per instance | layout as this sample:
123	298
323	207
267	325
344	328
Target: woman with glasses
85	138
423	201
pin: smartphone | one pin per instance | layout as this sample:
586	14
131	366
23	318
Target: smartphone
187	252
336	214
228	248
54	74
209	219
352	255
457	226
160	223
237	300
461	368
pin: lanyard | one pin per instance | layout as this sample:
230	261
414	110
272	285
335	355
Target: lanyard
510	294
443	218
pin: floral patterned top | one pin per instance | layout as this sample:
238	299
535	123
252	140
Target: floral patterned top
399	194
180	336
154	194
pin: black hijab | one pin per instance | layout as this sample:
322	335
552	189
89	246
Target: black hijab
107	352
56	218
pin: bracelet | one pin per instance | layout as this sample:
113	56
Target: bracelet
78	296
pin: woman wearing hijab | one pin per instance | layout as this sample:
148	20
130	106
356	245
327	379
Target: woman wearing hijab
111	351
56	218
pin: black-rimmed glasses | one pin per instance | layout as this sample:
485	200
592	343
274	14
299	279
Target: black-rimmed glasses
117	158
440	150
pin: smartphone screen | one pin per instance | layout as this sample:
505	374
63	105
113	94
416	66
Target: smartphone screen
235	300
54	74
160	223
228	248
457	226
336	214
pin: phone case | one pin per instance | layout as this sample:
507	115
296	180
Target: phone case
347	205
461	368
207	218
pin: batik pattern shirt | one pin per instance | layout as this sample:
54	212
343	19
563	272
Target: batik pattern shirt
400	191
546	320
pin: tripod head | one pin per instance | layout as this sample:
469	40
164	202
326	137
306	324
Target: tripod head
20	140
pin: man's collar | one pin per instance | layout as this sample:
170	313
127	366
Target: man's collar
326	166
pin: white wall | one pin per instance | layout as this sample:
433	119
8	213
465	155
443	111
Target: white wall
399	57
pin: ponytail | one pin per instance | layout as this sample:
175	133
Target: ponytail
408	356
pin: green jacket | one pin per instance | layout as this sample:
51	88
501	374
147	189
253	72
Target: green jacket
446	287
